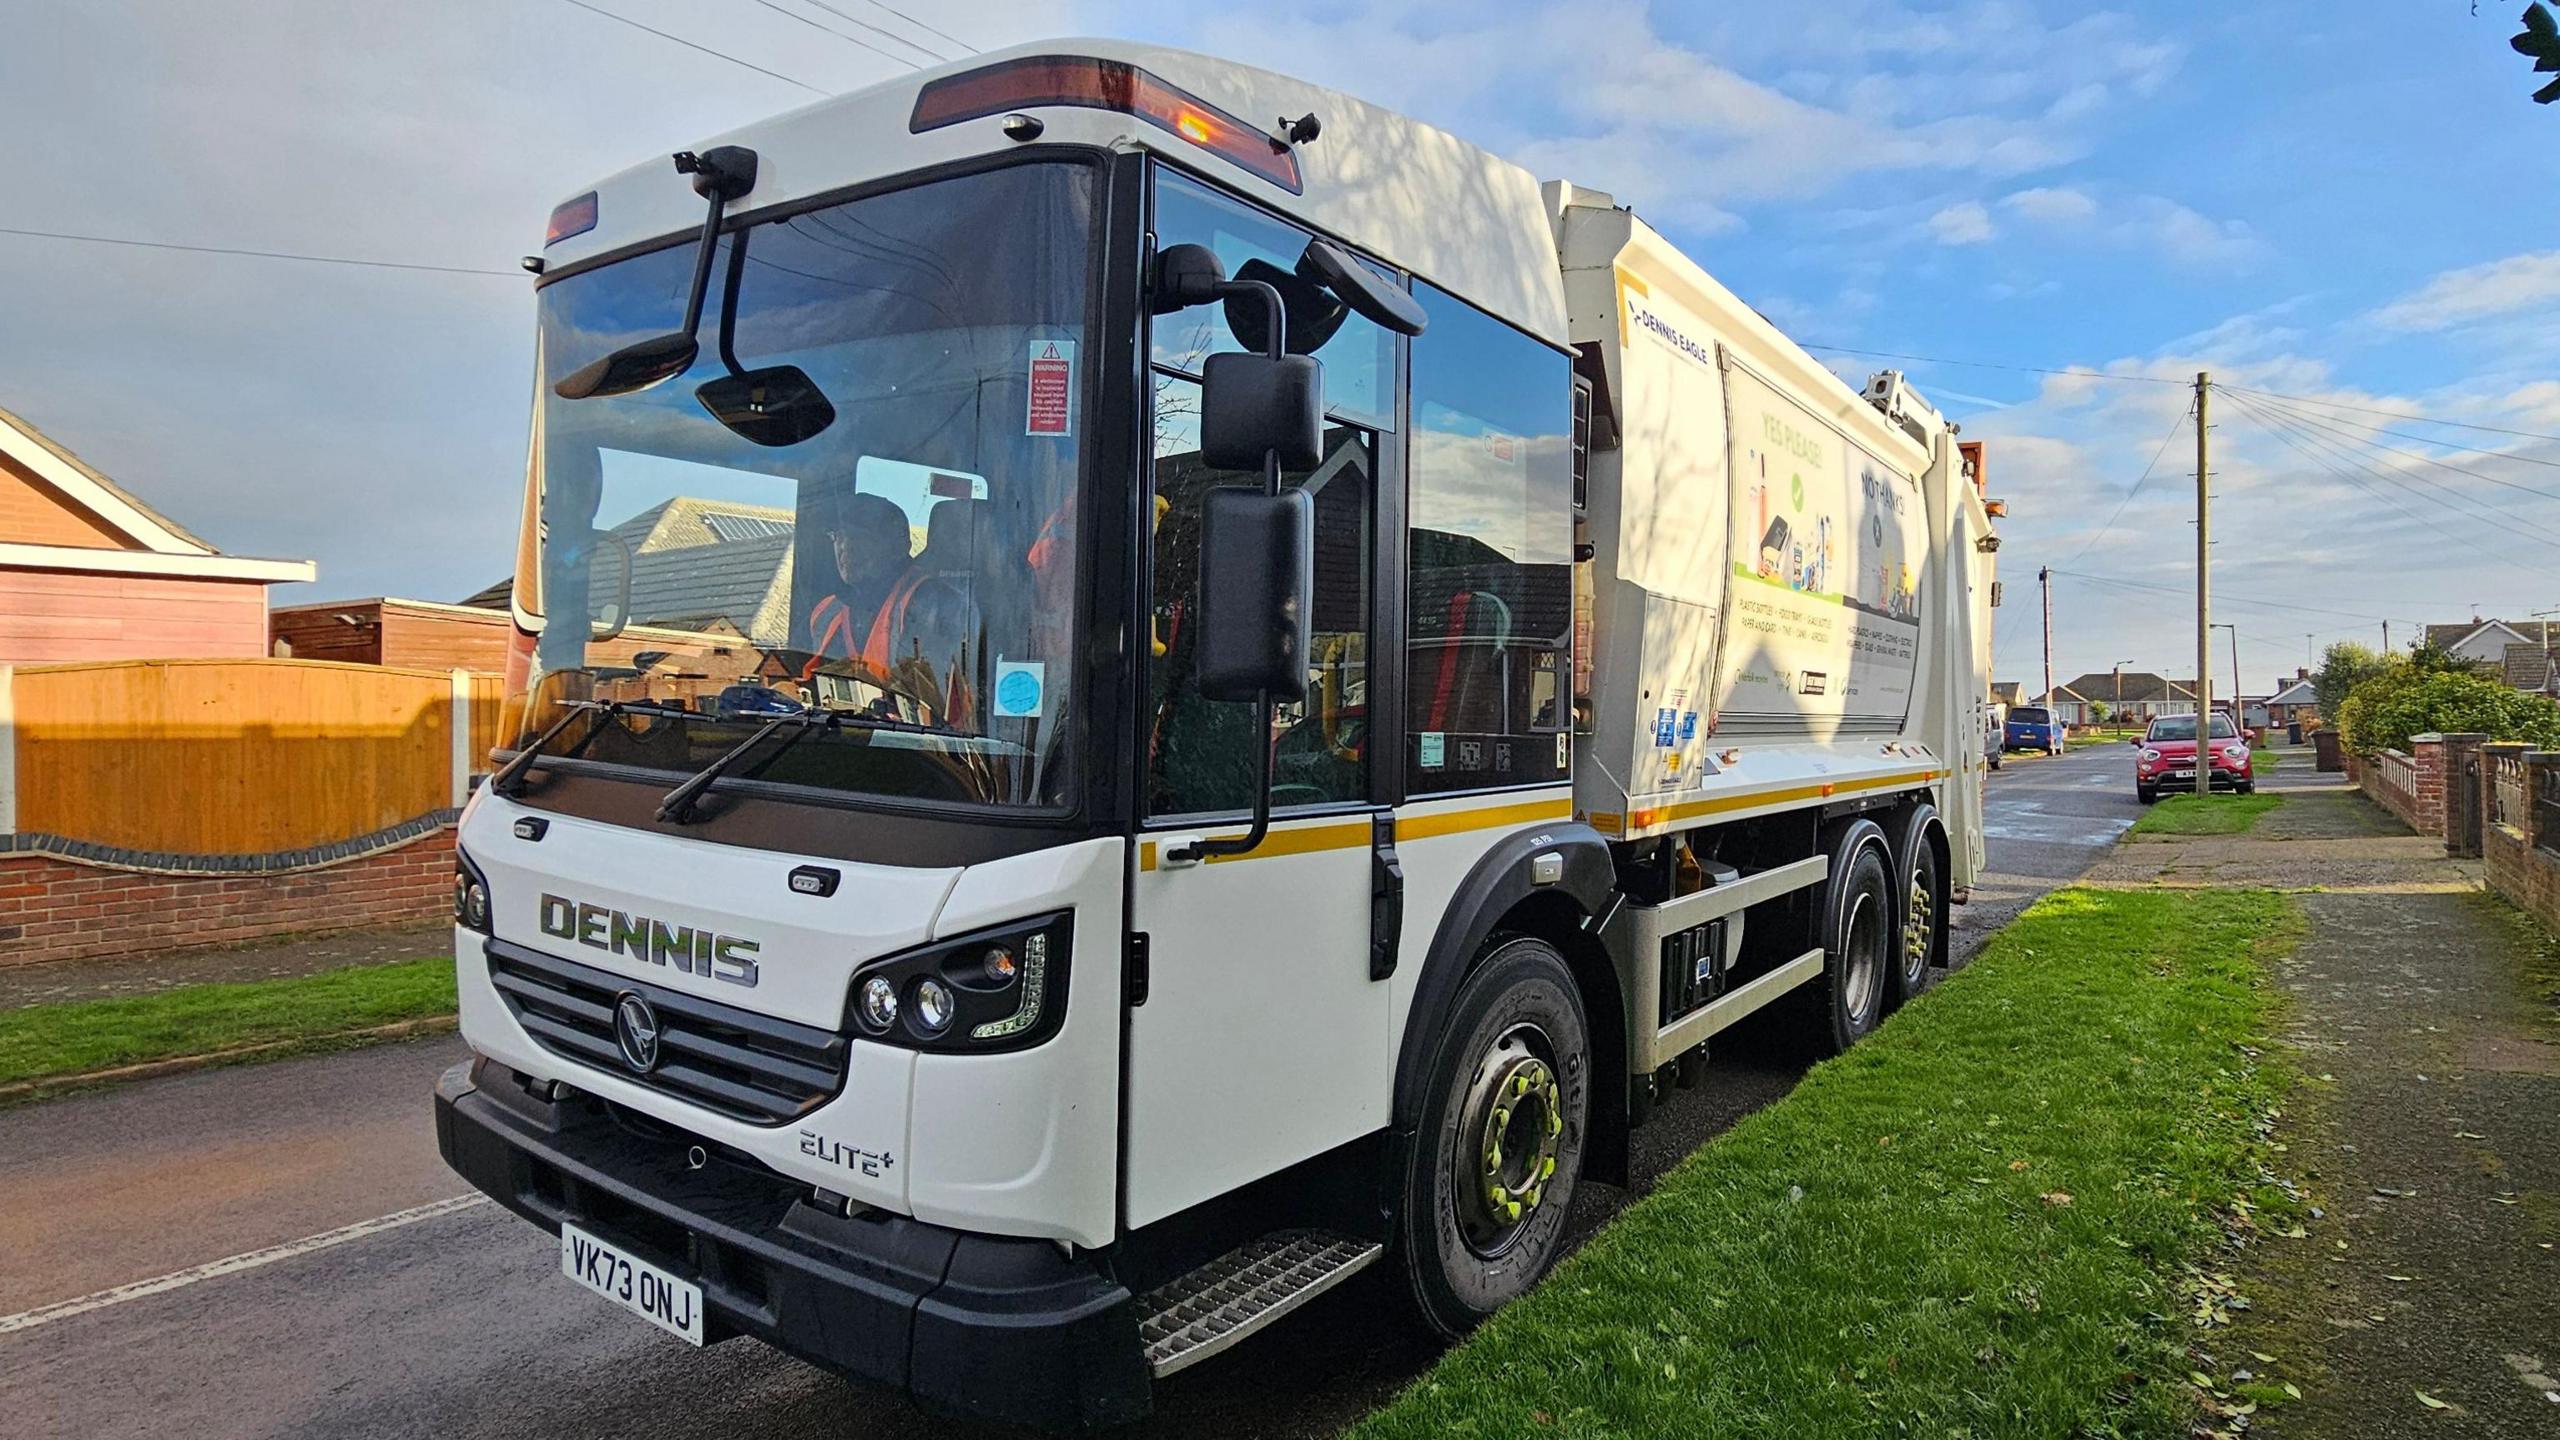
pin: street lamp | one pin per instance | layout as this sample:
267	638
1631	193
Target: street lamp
2120	690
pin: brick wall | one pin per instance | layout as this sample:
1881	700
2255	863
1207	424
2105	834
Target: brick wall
55	909
2409	784
2511	842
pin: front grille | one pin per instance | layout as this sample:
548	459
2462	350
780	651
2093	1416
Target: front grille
743	1065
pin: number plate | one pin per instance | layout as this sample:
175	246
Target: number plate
663	1299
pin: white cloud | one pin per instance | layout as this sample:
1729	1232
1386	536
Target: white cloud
2050	205
2475	293
1964	224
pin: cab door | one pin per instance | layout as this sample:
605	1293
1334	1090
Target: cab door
1262	1039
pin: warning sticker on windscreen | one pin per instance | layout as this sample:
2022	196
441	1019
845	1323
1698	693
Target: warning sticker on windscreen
1053	386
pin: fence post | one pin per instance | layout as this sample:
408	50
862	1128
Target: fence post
461	706
8	752
2461	797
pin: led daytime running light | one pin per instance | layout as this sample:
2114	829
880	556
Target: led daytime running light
1035	971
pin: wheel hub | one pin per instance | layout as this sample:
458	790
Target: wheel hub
1918	924
1513	1128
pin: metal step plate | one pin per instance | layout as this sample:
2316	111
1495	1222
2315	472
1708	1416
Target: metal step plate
1188	1320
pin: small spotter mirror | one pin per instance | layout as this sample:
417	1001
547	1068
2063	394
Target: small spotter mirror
776	405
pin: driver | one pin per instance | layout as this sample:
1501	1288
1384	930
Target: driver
875	574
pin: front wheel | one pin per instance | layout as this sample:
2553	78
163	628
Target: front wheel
2145	794
1490	1175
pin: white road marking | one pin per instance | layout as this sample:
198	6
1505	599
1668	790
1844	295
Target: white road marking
233	1265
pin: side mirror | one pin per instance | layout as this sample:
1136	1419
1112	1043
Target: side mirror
1257	568
1251	405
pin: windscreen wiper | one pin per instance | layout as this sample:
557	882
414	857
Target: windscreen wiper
510	781
677	808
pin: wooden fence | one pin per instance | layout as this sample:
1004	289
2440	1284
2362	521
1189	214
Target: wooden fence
235	757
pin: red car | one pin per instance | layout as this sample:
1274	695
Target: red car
2166	763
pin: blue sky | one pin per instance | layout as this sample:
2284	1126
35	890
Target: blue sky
2353	205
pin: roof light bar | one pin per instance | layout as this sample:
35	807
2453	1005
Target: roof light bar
1094	84
571	217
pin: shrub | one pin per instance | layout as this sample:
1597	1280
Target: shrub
2405	700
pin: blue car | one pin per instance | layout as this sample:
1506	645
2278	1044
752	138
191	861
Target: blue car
2032	727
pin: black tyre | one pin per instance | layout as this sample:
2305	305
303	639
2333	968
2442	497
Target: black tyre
2145	794
1858	928
2248	787
1921	879
1490	1176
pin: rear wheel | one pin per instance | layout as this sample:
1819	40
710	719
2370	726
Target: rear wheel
1924	906
1491	1172
1859	926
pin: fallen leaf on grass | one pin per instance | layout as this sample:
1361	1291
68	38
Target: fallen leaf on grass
2017	1164
2403	1279
2430	1401
2467	1135
2262	1357
2293	1390
2056	1197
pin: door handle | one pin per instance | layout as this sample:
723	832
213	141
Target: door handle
1386	897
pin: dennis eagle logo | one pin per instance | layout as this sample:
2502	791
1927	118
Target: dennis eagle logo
635	1029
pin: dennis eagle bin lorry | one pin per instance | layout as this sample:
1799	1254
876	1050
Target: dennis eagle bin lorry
1301	677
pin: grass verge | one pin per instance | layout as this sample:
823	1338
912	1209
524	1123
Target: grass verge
41	1042
1975	1223
2205	814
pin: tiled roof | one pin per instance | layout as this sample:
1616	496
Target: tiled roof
2528	667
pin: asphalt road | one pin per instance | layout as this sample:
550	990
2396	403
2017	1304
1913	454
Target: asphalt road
279	1252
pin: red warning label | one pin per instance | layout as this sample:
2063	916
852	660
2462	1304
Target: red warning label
1053	386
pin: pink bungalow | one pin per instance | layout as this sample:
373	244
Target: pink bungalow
88	572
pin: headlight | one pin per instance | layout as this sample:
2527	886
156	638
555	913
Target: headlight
2149	755
2235	753
1003	988
876	1004
470	894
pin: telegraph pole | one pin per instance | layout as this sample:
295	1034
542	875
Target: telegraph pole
2204	592
2044	577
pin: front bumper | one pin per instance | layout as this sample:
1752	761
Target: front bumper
2223	779
983	1326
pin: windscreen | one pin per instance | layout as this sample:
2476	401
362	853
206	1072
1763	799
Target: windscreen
906	573
2183	727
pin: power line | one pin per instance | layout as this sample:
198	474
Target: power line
2174	427
2335	428
2234	599
2393	414
937	56
2083	372
2439	442
910	19
2284	431
690	45
848	39
259	254
2496	517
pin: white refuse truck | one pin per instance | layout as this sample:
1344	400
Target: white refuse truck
1141	685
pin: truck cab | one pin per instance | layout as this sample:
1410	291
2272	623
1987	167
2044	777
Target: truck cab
1159	495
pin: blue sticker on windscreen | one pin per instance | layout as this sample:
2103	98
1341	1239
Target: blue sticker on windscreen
1018	689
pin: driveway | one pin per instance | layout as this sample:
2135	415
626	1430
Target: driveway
279	1251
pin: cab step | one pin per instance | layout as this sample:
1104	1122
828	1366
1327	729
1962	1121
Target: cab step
1186	1321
